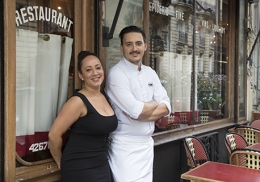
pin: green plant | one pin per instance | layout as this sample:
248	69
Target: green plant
210	91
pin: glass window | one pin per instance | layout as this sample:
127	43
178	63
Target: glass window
193	75
43	55
212	22
172	55
131	13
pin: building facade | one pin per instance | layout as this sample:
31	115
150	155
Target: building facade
198	48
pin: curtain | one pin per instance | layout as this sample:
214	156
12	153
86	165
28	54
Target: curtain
42	74
66	50
26	53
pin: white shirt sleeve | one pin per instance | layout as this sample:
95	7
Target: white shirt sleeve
119	91
160	94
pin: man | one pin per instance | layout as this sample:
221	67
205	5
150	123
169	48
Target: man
138	99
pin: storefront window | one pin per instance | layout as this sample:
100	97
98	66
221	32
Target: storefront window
212	19
131	13
173	56
189	53
43	55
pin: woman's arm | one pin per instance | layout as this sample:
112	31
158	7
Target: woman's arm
69	114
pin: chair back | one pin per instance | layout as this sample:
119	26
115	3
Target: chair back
234	141
245	157
255	123
195	151
252	135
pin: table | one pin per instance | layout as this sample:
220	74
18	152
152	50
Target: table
216	172
255	146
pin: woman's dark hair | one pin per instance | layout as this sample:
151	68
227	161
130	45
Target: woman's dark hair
82	55
130	29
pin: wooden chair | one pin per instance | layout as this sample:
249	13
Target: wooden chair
234	141
245	157
252	135
195	151
255	123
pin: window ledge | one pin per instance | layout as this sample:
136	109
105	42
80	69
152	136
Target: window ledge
32	173
180	133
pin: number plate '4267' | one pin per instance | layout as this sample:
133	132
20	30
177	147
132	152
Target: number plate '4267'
35	147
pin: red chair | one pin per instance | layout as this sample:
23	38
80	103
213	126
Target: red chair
245	157
168	123
195	151
252	135
255	123
234	141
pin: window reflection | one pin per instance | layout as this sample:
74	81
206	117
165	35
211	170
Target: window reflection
131	14
43	55
172	56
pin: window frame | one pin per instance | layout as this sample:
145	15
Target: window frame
229	119
239	46
45	169
2	93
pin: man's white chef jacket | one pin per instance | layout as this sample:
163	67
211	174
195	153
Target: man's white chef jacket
131	149
128	89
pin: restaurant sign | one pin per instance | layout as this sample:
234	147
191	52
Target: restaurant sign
157	8
34	13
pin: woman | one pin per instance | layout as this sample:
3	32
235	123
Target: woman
90	119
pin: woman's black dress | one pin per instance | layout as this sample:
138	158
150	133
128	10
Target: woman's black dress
85	155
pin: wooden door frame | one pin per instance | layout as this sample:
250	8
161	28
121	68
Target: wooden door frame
9	90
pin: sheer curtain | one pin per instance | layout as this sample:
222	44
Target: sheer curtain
42	73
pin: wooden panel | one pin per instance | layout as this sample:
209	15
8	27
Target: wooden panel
83	32
89	29
38	173
231	62
77	31
146	30
101	49
53	177
9	90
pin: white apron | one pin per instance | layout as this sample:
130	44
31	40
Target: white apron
131	158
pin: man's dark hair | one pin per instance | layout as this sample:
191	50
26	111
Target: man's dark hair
82	55
130	29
